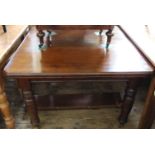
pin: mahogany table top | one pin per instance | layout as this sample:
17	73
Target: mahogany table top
78	52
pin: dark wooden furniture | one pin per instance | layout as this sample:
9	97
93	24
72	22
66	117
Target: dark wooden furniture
4	28
77	56
143	38
50	28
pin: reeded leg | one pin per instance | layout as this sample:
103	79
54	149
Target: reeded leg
109	36
148	114
128	100
5	110
41	35
30	103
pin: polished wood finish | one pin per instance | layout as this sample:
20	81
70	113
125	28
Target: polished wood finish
77	55
50	28
143	39
77	58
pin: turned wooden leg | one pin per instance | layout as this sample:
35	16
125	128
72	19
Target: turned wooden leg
41	35
148	114
109	36
5	110
128	100
30	103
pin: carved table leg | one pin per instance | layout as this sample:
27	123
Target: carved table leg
30	103
41	35
109	36
128	100
148	114
5	110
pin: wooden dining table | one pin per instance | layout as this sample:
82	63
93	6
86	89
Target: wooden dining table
78	55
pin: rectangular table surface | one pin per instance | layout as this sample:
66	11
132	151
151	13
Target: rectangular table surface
78	53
